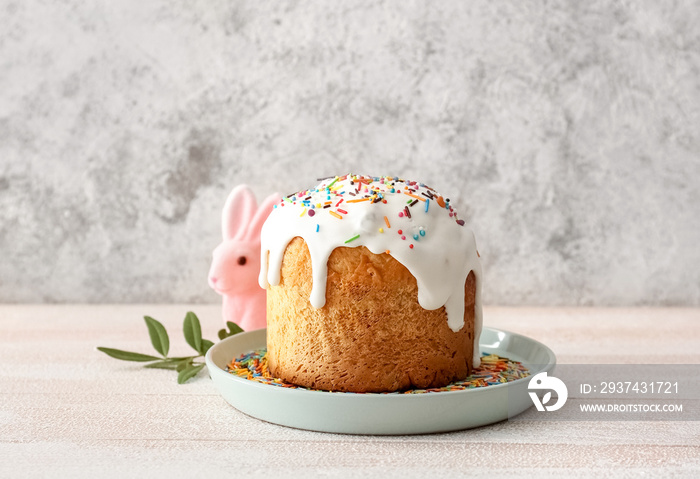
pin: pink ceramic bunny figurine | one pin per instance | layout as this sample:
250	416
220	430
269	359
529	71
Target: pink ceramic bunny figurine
236	263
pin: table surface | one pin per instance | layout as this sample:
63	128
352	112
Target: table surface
67	410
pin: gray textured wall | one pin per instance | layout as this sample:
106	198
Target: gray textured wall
566	132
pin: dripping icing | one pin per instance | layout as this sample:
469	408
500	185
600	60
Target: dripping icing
351	210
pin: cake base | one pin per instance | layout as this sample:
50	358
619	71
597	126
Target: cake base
372	335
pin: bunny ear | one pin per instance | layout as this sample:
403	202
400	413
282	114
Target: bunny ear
238	211
253	232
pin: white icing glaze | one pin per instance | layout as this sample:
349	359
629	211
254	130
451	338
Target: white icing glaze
440	258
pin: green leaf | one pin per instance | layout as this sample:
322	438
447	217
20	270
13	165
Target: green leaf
181	358
233	328
186	366
188	373
193	331
159	336
164	364
206	344
127	355
183	364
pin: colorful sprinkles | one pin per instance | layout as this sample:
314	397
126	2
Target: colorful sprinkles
351	239
494	370
346	190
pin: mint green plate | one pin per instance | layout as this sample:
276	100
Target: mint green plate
380	413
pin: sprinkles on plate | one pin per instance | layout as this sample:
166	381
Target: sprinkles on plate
494	370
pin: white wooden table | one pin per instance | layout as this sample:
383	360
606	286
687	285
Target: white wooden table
67	410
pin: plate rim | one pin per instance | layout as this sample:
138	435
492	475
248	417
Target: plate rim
381	413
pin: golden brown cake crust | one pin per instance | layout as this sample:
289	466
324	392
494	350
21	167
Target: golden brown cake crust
371	335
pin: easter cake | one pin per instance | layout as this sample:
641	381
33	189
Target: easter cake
373	285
